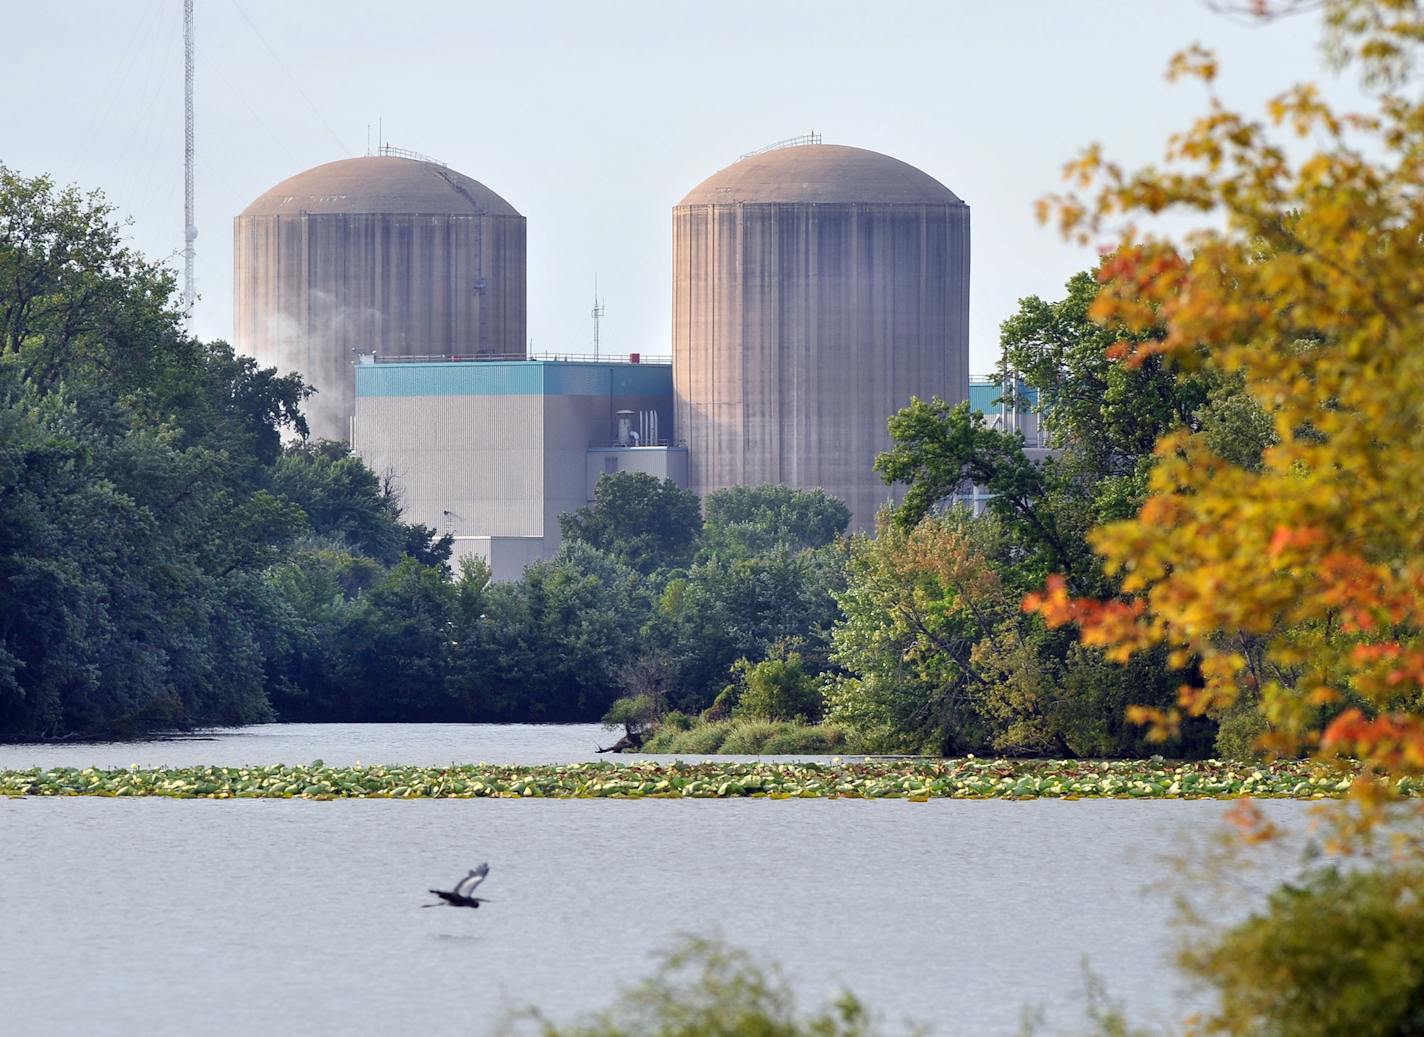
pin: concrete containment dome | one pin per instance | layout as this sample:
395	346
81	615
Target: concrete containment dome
816	289
380	183
383	254
831	173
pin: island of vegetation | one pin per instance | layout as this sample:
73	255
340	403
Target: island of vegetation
916	780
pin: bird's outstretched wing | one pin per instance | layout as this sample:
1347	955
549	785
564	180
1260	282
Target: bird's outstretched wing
466	886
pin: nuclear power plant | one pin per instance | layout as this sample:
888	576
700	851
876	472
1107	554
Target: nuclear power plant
816	289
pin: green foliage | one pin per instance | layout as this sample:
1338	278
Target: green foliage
915	604
703	988
133	526
1337	952
1103	413
760	520
752	736
644	522
347	503
553	646
776	688
162	562
726	609
871	779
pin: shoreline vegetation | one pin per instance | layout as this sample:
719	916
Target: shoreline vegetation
914	780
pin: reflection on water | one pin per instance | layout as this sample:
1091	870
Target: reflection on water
252	916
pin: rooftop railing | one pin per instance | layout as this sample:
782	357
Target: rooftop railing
576	358
391	151
790	142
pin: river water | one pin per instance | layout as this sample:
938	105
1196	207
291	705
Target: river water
156	917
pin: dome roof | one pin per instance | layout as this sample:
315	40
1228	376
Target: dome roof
821	173
380	183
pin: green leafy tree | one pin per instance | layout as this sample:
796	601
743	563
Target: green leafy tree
348	503
645	522
553	646
726	609
758	520
1336	952
939	448
915	606
776	688
391	654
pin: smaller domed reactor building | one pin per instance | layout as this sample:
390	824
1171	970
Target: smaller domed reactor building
386	254
816	288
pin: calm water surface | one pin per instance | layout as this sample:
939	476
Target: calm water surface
153	916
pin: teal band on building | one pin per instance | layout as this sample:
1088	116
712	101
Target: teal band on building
493	452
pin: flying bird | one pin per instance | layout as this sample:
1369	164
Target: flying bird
463	895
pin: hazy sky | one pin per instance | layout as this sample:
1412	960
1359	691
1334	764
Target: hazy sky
593	119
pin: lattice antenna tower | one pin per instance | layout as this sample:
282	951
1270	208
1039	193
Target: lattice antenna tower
190	231
597	314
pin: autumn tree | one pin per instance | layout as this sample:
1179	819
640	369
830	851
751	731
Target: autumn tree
1296	580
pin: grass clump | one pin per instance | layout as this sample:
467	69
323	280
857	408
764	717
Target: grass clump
750	736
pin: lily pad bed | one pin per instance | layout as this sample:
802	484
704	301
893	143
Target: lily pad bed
916	780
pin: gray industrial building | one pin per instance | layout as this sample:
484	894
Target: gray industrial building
816	288
494	452
400	254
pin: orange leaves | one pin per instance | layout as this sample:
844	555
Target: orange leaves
1162	724
1250	824
1301	539
1116	626
1393	743
1306	287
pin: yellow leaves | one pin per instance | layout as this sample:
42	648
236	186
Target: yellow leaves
1323	696
1302	107
1196	62
1311	290
1162	725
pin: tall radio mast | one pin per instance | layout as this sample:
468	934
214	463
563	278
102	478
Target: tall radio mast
190	232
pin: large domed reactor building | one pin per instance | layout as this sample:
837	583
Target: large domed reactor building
388	254
816	288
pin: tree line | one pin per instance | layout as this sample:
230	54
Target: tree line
169	562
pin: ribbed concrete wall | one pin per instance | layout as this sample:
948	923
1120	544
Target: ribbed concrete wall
375	254
799	328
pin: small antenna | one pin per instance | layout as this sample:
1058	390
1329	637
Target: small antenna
597	314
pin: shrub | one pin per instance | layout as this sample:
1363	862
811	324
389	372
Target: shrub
777	689
1337	953
704	988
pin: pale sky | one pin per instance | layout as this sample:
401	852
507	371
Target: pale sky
593	119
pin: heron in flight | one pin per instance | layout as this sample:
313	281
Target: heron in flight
463	895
